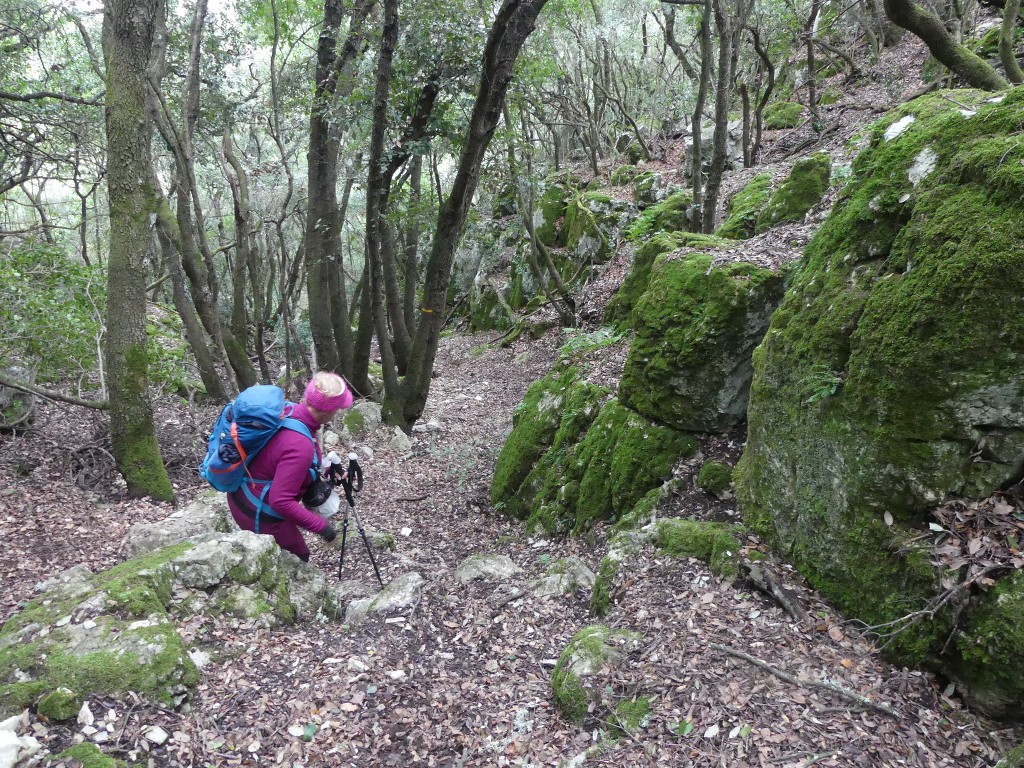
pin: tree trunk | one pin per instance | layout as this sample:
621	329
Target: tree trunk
697	161
240	205
128	27
323	226
723	97
512	25
1006	52
376	199
924	23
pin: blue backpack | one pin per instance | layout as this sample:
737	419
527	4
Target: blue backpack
246	425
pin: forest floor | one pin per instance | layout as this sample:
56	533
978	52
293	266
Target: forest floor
463	678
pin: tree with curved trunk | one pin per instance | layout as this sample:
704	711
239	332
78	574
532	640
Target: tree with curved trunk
925	23
128	27
513	23
1007	55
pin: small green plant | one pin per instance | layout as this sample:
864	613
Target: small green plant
580	343
821	382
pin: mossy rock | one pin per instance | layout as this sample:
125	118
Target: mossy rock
829	96
488	311
552	206
714	478
670	215
649	188
992	647
547	485
782	114
90	756
623	175
696	327
104	633
712	543
632	715
620	458
1012	759
60	704
619	311
549	413
592	224
745	206
505	201
802	190
590	650
895	357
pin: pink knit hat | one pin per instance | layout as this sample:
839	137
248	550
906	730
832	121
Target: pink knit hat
316	399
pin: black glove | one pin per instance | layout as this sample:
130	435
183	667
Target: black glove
328	534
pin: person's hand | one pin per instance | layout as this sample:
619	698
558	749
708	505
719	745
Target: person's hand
329	534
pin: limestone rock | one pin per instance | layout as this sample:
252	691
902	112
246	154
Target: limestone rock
207	514
696	329
402	592
892	375
564	577
490	567
590	650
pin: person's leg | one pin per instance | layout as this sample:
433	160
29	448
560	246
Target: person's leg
289	538
287	535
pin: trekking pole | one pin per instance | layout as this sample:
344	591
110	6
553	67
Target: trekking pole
353	483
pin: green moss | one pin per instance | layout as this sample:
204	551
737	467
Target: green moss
909	305
1012	759
90	756
620	457
829	96
601	594
553	203
992	645
806	185
619	311
670	215
587	652
505	201
633	714
130	602
61	704
623	175
547	482
713	543
696	326
714	478
782	114
592	217
354	421
487	310
643	511
535	422
745	206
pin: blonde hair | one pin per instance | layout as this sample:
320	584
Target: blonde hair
330	384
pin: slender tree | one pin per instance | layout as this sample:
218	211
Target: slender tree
513	23
128	27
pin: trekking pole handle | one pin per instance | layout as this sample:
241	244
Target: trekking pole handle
355	473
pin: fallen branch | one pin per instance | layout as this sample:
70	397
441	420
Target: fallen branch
903	623
764	582
46	394
827	685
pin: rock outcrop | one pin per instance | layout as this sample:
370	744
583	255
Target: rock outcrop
891	380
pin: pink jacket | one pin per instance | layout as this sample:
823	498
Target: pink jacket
286	460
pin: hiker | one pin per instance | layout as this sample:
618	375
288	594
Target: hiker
286	461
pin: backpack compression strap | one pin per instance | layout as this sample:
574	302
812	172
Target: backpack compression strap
259	502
